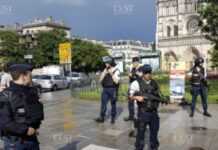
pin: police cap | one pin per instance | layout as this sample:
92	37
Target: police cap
199	61
135	59
145	69
109	60
20	67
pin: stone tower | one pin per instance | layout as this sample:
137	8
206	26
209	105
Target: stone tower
178	35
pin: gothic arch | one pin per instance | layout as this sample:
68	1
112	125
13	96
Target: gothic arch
190	55
169	57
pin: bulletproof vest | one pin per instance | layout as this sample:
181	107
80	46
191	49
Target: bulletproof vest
197	76
134	75
3	101
108	82
151	88
26	107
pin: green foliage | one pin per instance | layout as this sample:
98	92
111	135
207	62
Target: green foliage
86	56
209	24
10	50
46	52
164	83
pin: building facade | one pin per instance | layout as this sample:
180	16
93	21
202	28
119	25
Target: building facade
48	24
127	49
178	35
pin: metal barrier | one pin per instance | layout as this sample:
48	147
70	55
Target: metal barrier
93	91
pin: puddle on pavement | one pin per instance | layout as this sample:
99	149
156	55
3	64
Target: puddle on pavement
196	148
168	111
195	128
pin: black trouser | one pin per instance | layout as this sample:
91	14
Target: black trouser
19	144
109	94
152	120
202	91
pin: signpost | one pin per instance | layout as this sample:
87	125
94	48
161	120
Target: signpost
177	81
28	57
65	55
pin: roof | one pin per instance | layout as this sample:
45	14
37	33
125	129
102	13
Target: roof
49	24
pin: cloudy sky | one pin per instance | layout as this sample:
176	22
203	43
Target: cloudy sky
95	19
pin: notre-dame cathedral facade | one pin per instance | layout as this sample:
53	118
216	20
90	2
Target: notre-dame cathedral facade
178	35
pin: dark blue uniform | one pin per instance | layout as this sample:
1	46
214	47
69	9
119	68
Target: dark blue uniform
20	109
109	93
148	115
198	87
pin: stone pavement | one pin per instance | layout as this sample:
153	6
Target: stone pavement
69	125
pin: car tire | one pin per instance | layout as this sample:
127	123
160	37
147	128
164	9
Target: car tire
55	88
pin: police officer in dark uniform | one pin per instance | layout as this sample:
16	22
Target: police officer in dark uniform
110	82
146	92
199	86
20	111
134	75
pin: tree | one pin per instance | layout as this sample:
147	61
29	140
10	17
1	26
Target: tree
46	52
87	56
10	49
209	23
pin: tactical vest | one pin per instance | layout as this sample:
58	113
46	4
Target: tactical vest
149	105
25	108
134	75
197	76
108	82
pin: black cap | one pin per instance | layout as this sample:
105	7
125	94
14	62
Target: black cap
199	61
145	69
135	59
108	59
20	67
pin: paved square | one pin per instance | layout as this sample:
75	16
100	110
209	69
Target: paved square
113	132
96	147
177	130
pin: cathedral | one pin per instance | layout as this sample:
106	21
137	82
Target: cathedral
178	35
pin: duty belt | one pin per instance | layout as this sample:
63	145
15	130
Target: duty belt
143	109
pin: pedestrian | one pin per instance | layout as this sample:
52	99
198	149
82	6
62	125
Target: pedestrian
146	92
6	77
20	110
199	86
133	75
109	79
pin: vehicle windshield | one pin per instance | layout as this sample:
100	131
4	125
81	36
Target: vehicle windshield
36	77
44	77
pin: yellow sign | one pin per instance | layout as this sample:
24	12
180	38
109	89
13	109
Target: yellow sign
65	53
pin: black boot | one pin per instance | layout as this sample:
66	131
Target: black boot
207	114
132	133
99	120
191	114
112	120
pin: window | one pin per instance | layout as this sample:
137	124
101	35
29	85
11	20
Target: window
44	77
176	30
57	77
168	31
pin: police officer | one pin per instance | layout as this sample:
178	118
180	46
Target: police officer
20	110
134	75
110	81
199	86
144	90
